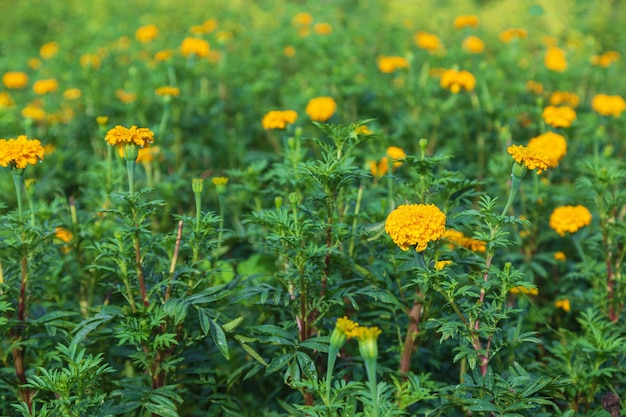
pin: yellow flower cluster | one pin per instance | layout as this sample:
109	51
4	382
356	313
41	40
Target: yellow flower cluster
456	80
322	28
534	87
523	290
195	46
563	304
15	79
552	145
473	44
606	59
167	91
461	22
530	158
389	64
302	19
20	152
508	35
120	135
460	239
90	61
382	167
279	119
427	41
560	256
49	49
440	265
569	219
320	109
415	225
46	86
565	98
562	116
606	105
147	33
554	60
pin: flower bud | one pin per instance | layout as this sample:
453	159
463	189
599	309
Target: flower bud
197	184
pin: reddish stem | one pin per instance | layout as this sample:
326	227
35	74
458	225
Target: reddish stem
411	335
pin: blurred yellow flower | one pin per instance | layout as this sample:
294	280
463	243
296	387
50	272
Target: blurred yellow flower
554	59
34	113
380	168
34	63
563	304
279	119
120	135
560	256
569	219
427	41
415	225
558	116
534	87
461	22
530	158
552	145
63	234
508	35
320	109
389	64
147	33
195	46
72	93
363	130
396	154
606	105
322	28
456	80
20	152
566	98
6	100
41	87
368	341
458	238
125	96
439	265
210	25
606	59
167	90
520	289
302	19
162	55
90	61
289	51
15	79
48	50
473	44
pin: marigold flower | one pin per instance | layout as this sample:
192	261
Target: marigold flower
389	64
560	256
396	154
554	60
508	35
461	22
551	145
427	41
210	25
145	154
125	96
363	130
343	328
322	28
534	87
562	116
167	91
72	94
90	61
606	105
120	136
520	289
20	152
15	79
302	19
289	51
195	46
566	98
279	119
380	168
456	80
147	33
563	304
34	112
162	55
606	59
42	87
6	100
569	219
48	50
415	225
529	158
473	44
217	181
457	237
320	109
439	265
368	341
63	234
34	63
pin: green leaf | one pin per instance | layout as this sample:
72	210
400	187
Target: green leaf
231	325
253	353
279	363
219	338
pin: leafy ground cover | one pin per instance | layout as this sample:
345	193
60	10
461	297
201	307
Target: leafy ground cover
334	208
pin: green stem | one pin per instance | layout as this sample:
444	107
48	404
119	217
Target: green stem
18	181
220	231
130	168
515	185
370	366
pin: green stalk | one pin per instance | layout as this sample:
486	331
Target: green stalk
130	168
18	181
370	366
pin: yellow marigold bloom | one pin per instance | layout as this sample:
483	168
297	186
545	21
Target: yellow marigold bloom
343	328
606	59
320	109
34	63
6	100
48	50
569	219
427	41
219	181
167	91
508	35
102	120
20	152
473	44
120	135
15	79
551	145
380	168
554	59
456	80
63	234
162	56
42	87
530	158
534	87
322	28
72	94
289	51
90	61
363	130
523	290
223	36
147	33
210	25
389	64
302	19
565	98
560	256
396	154
279	119
563	304
368	341
195	46
457	237
415	225
125	96
558	116
304	31
34	112
439	265
461	22
606	105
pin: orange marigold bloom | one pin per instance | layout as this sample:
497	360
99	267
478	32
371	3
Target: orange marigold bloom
42	87
606	59
120	135
530	158
427	41
125	96
606	105
195	46
520	289
20	152
461	22
6	100
396	154
279	119
564	304
167	91
48	50
380	168
473	44
566	98
389	64
90	60
15	79
508	35
323	28
145	154
554	59
72	93
551	145
34	112
289	51
162	55
460	239
302	19
63	234
439	265
560	256
415	225
456	80
320	109
558	116
569	219
534	87
147	33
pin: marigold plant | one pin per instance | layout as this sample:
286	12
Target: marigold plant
550	144
461	22
427	41
320	109
20	152
279	119
561	116
456	81
46	86
147	33
530	158
473	44
569	219
555	60
120	136
389	64
195	46
15	79
606	105
415	225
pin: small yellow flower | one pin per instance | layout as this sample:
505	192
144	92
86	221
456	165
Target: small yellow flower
530	158
90	61
120	135
162	55
147	33
125	96
48	50
569	219
558	116
102	120
461	22
396	154
457	237
72	93
20	152
46	86
302	19
279	119
439	265
389	64
427	41
363	130
554	60
6	100
606	105
210	25
415	225
167	91
508	35
523	290
63	234
217	181
195	46
343	328
33	112
560	256
380	168
320	109
606	59
368	341
322	28
566	98
534	87
473	44
289	51
551	145
455	81
15	79
34	63
145	154
563	304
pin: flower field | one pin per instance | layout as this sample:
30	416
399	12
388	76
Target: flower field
325	208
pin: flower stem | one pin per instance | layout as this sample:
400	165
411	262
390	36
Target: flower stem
18	181
370	366
130	168
515	185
